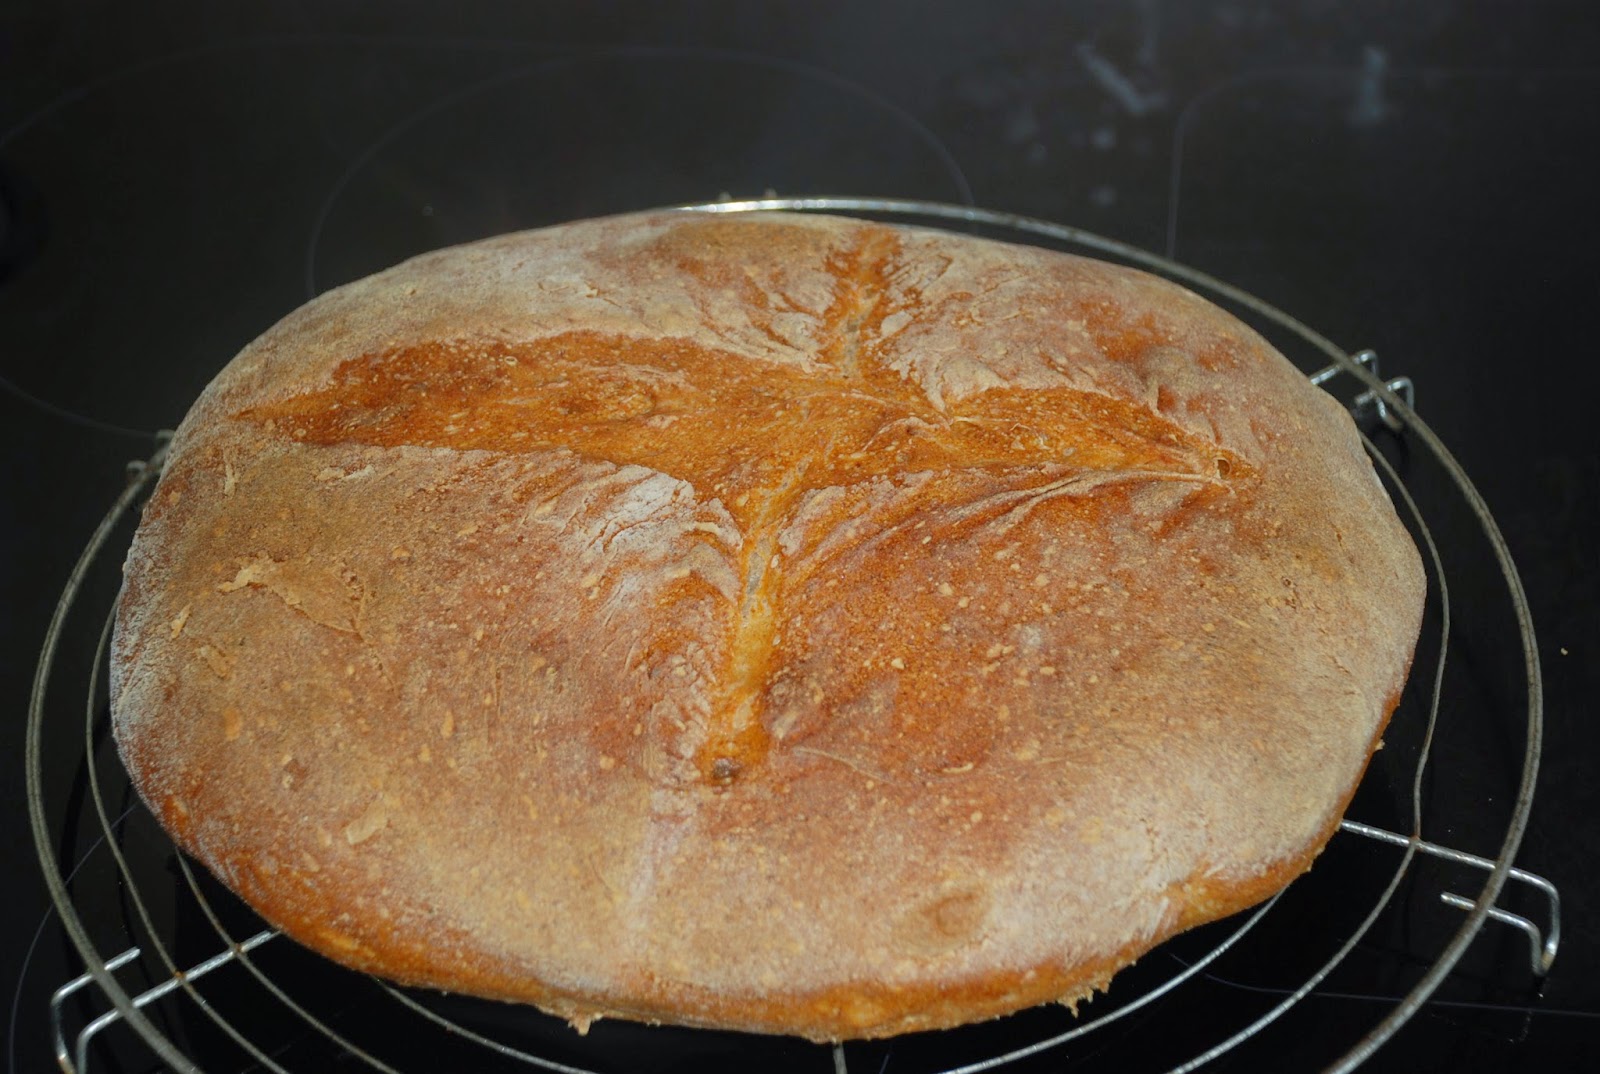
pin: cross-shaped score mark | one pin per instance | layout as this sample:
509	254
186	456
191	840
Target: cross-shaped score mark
758	439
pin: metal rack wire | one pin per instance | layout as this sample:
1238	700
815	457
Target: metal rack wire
1388	401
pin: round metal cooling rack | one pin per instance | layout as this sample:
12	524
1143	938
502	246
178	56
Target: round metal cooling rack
153	934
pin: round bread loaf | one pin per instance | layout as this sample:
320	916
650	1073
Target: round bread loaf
781	623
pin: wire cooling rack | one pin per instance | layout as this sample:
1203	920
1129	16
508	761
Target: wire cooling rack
172	957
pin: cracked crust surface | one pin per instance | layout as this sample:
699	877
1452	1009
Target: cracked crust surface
777	623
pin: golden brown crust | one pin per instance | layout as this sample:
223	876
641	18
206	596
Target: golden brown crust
785	624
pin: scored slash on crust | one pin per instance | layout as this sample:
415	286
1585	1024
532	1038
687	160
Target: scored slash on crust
746	437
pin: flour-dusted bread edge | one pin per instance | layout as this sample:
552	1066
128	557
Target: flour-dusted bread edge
780	623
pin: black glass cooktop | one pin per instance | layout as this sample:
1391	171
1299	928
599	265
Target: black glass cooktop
1415	181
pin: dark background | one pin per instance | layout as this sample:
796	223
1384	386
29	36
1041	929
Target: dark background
1418	178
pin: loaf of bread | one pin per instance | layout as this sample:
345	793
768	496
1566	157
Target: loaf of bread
780	623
